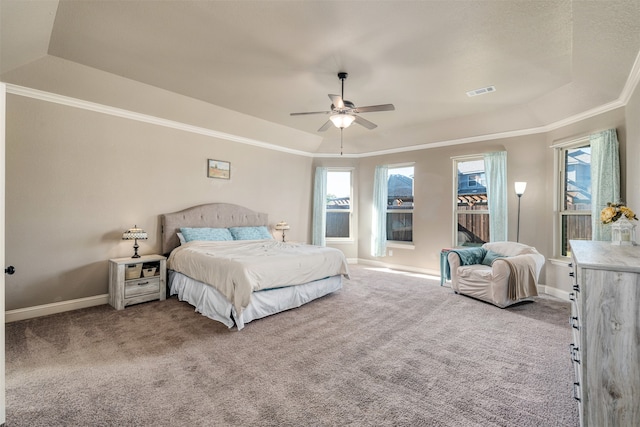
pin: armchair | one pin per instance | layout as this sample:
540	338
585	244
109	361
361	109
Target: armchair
501	273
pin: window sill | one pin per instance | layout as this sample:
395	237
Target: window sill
335	241
562	262
399	245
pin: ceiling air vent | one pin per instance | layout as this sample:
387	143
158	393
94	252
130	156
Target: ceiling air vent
481	91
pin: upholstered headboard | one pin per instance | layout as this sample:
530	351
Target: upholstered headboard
217	215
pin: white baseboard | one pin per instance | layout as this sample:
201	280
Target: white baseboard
53	308
558	293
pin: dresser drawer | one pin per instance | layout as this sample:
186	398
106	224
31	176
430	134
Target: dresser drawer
575	320
147	285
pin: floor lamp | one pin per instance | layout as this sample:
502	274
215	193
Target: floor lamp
520	187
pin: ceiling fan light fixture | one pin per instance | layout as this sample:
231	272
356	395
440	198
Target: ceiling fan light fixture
342	120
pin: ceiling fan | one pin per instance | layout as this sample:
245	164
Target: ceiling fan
344	112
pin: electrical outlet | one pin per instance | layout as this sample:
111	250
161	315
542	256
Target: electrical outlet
390	252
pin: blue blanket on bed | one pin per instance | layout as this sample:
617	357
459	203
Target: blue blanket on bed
468	256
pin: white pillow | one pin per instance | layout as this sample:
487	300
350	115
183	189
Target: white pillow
181	238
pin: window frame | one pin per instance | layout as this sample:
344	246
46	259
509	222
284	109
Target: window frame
560	190
402	243
478	180
349	211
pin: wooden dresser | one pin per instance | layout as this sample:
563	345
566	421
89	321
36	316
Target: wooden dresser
605	320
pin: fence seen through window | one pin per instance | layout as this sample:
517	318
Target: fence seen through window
400	204
338	221
472	209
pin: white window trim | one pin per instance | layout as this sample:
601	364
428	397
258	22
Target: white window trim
558	199
349	239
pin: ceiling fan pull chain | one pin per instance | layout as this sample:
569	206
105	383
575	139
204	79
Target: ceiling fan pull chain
341	129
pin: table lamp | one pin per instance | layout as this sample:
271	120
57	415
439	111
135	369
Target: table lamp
135	234
282	225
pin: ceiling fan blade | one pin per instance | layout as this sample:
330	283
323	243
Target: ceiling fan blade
325	126
372	108
310	112
337	101
366	123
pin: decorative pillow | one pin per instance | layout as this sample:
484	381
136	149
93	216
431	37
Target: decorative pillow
470	256
210	234
250	233
491	256
181	238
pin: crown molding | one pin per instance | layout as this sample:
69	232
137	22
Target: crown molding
627	92
132	115
632	82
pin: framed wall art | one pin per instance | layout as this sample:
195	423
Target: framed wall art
218	169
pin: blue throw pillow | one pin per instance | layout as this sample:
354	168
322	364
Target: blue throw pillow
209	234
491	256
250	233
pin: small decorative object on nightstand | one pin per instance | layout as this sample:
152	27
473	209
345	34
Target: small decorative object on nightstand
282	225
136	280
135	234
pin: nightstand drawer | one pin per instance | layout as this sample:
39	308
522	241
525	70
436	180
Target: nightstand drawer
146	285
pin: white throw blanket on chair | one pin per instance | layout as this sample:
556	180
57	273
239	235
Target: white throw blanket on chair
522	277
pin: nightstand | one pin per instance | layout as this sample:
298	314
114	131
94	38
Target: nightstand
136	280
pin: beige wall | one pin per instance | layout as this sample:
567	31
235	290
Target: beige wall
529	158
71	191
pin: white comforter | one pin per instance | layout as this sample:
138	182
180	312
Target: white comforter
238	268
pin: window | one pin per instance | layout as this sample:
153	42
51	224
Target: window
400	204
338	204
575	195
471	204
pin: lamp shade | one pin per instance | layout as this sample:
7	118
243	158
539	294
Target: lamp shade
282	225
134	233
520	187
342	120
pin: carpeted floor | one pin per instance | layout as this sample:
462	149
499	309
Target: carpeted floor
389	349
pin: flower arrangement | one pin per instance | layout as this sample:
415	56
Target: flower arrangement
614	211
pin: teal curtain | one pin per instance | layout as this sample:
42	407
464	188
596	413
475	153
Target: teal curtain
379	212
605	179
495	169
318	228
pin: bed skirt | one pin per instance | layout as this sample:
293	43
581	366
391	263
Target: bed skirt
211	303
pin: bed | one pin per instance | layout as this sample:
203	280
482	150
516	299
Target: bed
247	276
